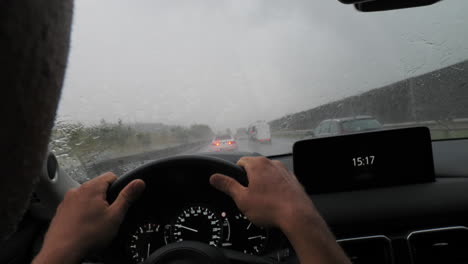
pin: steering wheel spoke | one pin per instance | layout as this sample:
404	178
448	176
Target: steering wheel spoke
237	257
192	252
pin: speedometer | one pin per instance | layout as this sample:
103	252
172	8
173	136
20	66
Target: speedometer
145	239
197	223
245	236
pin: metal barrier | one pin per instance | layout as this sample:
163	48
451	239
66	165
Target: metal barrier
439	129
121	165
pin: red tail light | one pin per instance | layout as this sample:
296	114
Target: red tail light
216	143
231	142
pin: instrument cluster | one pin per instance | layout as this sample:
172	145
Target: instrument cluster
219	228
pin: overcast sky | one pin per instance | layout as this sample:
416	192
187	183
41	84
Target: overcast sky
227	63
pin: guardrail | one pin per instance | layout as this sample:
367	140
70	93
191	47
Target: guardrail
121	165
291	133
439	129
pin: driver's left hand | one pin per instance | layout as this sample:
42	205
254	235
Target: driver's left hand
85	221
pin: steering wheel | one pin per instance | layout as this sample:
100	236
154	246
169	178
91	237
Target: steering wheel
159	172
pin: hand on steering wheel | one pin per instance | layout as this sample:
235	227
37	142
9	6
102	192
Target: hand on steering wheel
85	221
273	194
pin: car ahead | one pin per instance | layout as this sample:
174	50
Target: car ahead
223	143
346	125
260	132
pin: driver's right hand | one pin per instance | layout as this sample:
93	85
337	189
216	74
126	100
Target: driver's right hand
273	195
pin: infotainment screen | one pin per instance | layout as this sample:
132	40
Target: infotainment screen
364	160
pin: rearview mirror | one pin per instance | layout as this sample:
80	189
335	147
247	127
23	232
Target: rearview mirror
382	5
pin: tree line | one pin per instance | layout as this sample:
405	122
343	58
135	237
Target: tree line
89	143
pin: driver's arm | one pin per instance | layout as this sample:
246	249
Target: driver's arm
274	197
85	221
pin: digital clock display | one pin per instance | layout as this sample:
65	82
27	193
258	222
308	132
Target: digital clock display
364	160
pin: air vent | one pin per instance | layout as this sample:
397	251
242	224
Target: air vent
444	245
52	166
368	250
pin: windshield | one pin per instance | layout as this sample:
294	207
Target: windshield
224	137
152	78
360	125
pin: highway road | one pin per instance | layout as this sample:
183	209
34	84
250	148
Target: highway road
277	146
123	165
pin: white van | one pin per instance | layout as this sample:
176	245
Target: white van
260	131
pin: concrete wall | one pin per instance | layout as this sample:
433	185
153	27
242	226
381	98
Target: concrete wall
439	95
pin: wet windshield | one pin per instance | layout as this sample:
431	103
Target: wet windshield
224	137
148	79
360	125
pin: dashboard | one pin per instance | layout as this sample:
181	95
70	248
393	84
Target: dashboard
365	222
191	211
